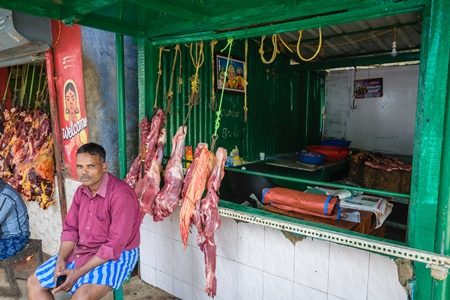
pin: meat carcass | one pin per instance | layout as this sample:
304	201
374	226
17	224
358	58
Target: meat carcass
168	198
194	185
27	155
152	177
149	136
133	174
206	219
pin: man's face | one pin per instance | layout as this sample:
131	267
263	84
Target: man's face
90	170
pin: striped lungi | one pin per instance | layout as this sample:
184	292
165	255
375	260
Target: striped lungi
111	273
12	245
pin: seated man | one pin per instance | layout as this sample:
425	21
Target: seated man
100	238
14	227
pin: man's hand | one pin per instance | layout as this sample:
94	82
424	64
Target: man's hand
72	277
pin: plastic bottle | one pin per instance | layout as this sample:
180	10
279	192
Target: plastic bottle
235	156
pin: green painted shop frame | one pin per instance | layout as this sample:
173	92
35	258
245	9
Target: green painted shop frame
429	226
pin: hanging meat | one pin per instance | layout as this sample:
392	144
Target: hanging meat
150	131
133	174
194	186
206	219
169	197
152	177
27	155
37	183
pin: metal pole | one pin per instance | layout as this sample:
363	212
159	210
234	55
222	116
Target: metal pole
121	105
118	294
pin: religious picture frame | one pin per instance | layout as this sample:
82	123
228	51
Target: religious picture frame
235	82
368	88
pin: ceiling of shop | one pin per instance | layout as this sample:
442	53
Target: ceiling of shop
354	32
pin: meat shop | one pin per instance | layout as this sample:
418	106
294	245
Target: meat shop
278	149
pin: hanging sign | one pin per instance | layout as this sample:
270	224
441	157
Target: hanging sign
70	91
368	88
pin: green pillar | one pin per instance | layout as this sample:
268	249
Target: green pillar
440	46
428	226
118	294
121	105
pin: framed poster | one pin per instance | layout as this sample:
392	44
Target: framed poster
368	88
235	80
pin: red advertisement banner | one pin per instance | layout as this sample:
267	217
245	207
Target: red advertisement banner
70	91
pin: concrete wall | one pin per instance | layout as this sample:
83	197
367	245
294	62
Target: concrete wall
384	124
100	82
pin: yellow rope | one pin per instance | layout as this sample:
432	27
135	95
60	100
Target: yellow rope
300	32
285	45
245	81
59	35
169	95
195	83
7	84
213	105
214	136
197	62
38	91
161	49
180	77
275	49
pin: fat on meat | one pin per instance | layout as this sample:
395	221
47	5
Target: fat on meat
169	197
194	185
206	219
152	177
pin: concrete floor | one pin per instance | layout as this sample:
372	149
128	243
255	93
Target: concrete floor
135	289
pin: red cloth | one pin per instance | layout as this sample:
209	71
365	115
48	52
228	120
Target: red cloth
311	204
104	224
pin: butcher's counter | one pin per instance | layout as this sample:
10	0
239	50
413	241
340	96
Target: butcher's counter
288	165
283	170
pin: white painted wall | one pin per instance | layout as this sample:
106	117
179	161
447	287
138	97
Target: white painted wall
383	124
258	263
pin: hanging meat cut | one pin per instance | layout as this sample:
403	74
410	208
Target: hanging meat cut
194	185
152	177
144	175
169	197
27	155
148	138
133	174
206	219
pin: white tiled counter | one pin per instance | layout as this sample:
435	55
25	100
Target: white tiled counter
258	262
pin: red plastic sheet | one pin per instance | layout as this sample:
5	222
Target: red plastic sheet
324	206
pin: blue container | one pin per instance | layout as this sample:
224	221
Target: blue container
312	158
340	143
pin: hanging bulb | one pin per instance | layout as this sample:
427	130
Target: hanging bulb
394	49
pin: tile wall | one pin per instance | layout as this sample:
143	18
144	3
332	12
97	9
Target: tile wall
47	224
255	262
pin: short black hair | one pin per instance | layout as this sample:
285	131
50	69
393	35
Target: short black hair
93	149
